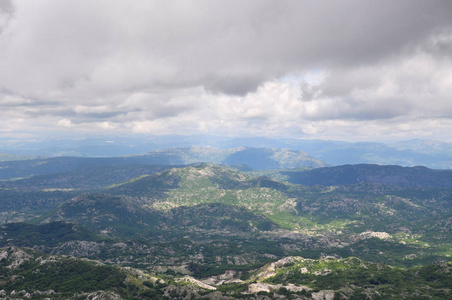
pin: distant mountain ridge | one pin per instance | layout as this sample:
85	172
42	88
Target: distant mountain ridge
12	157
389	175
429	153
256	158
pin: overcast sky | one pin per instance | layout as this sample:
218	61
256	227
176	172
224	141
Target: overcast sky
342	70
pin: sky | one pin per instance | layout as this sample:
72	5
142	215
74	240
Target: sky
341	70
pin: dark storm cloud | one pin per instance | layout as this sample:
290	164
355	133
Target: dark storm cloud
299	35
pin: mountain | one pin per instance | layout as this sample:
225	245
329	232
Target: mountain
213	231
144	205
432	154
106	215
85	179
218	217
288	205
122	216
341	153
206	201
388	175
264	159
341	213
55	165
15	156
208	183
258	158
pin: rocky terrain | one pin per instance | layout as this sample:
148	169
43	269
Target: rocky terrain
30	274
225	232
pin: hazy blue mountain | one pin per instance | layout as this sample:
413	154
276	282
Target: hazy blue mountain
54	165
389	175
14	156
258	158
432	154
87	178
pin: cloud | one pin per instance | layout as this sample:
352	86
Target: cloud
6	13
235	67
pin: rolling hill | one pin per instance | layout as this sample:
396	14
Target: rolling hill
210	230
205	203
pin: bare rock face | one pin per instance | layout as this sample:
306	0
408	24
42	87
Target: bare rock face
263	287
100	295
78	248
230	276
189	279
371	234
14	256
269	270
323	295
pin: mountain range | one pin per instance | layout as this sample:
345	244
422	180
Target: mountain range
432	154
254	158
249	223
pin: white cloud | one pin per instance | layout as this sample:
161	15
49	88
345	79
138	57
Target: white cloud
64	123
285	68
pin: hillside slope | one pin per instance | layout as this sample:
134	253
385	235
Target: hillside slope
30	274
